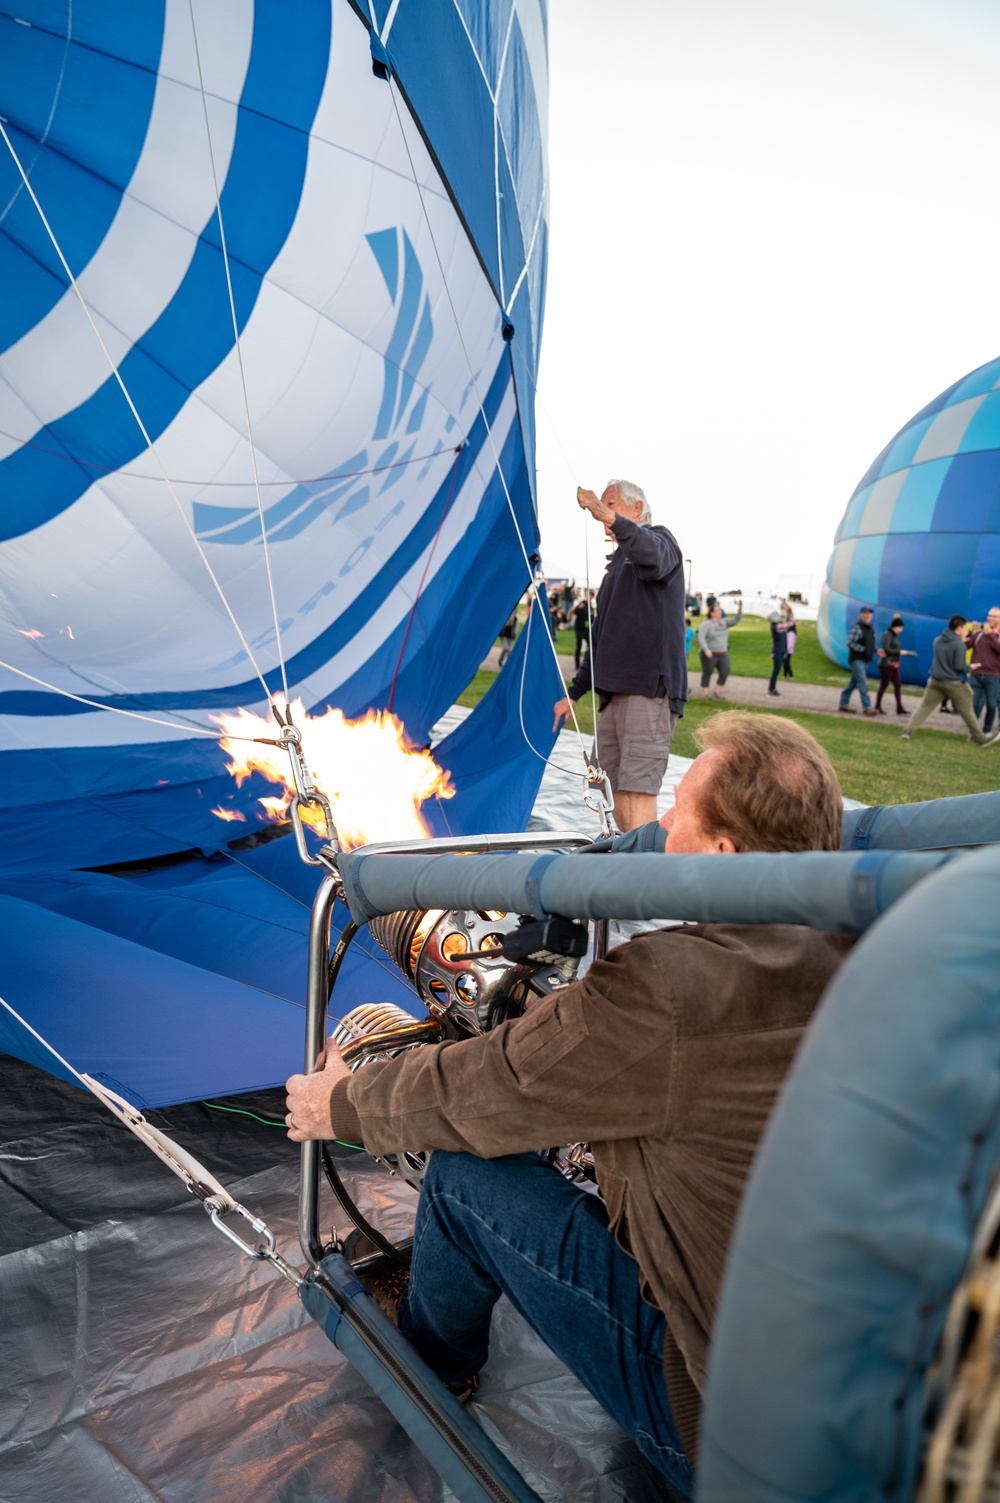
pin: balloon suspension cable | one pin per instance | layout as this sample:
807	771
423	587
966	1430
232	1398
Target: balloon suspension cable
307	795
239	356
134	411
200	1182
475	388
597	786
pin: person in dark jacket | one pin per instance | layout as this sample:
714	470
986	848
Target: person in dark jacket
581	616
860	651
985	668
667	1058
508	634
639	662
779	631
947	681
888	668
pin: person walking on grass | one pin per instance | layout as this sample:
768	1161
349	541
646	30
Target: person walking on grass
786	666
860	651
888	668
779	636
985	667
947	681
713	646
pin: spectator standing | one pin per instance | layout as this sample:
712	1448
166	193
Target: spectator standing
888	668
688	635
713	646
779	630
580	617
947	681
508	633
985	668
786	665
860	652
640	671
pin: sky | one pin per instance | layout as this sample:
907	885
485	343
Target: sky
773	240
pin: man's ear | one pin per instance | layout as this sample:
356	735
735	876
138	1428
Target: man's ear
723	846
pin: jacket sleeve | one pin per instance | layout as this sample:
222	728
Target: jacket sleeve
576	1067
651	550
702	634
580	683
854	640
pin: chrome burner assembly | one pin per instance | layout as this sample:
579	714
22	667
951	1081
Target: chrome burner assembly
456	961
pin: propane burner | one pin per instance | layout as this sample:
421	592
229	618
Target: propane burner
454	959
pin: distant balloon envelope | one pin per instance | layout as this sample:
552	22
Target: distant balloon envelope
921	535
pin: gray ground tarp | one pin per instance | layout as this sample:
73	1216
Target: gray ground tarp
144	1359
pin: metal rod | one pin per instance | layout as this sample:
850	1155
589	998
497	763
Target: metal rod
525	840
317	1002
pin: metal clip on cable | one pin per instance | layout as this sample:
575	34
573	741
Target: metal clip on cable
306	793
217	1209
599	797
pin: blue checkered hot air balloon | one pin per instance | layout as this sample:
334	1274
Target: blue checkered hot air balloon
921	534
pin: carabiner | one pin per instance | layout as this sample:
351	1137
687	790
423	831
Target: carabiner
216	1209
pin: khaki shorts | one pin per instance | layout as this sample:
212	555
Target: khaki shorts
633	742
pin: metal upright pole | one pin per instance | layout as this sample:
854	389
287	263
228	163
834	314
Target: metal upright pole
317	1001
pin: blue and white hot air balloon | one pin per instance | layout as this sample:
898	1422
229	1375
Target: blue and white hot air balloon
308	244
921	534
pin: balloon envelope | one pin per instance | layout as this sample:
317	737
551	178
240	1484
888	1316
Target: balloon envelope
921	534
310	241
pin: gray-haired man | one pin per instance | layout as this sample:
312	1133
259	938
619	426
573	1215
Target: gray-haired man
639	662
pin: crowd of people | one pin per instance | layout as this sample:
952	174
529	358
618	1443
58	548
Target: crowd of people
645	1055
964	650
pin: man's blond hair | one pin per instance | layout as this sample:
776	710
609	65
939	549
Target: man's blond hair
773	787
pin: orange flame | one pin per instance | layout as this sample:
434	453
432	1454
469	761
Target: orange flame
229	814
374	782
33	634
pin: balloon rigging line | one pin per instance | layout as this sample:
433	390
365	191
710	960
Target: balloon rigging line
520	706
475	387
109	469
586	530
133	409
45	1044
423	579
239	359
95	704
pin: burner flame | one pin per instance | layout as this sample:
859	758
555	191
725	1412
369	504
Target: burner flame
374	781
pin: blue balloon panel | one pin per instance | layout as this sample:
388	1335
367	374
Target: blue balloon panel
310	240
921	534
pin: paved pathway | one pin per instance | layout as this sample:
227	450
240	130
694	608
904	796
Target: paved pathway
819	698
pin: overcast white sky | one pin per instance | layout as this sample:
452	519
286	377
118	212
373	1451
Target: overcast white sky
774	233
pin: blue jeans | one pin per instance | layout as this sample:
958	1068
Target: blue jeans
985	691
859	681
516	1226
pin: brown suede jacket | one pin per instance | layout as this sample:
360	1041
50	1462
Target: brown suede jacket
667	1057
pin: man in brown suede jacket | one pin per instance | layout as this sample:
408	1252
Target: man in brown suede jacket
667	1057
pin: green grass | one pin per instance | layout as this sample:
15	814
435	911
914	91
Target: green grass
873	764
